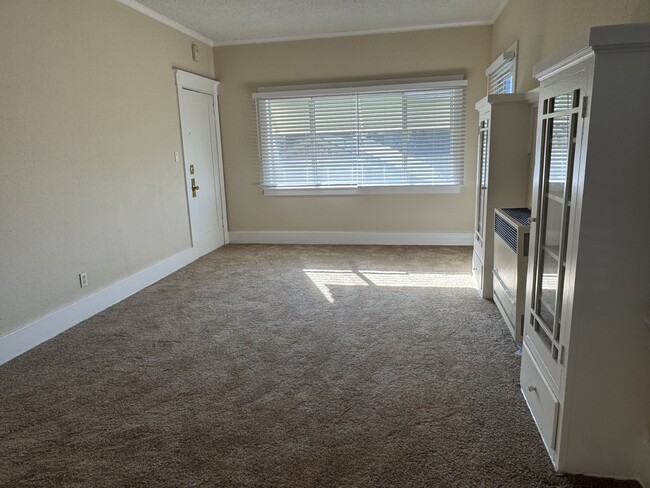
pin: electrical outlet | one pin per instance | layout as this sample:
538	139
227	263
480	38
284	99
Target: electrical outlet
177	156
83	279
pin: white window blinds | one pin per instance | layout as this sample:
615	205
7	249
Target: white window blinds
400	135
501	73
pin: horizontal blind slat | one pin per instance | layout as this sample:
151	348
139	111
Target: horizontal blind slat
363	139
502	79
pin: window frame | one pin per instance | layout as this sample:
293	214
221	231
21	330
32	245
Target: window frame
507	57
297	91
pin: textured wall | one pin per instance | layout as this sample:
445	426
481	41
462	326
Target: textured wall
242	69
543	26
88	128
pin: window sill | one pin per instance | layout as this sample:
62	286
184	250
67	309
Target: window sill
369	190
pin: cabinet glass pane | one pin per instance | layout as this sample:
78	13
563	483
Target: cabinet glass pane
548	291
559	155
482	183
562	102
546	314
546	340
559	126
553	226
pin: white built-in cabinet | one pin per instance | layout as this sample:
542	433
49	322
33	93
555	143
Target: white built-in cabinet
502	173
586	358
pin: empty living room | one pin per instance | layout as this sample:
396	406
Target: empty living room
324	243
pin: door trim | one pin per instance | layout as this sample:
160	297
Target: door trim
189	81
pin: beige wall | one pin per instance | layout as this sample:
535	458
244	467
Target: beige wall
543	26
88	128
242	69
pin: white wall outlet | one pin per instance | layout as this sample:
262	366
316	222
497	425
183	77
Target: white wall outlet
83	279
177	156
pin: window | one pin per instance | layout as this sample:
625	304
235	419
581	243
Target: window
400	137
501	73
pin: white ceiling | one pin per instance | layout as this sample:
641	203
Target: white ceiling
246	21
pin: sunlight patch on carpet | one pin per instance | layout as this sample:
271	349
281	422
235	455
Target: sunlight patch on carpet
325	279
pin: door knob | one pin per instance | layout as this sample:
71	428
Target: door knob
195	187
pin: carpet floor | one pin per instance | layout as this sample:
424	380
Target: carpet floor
282	366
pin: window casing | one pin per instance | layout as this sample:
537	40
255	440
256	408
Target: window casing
501	74
364	139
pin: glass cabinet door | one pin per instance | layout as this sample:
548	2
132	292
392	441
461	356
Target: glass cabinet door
552	206
481	183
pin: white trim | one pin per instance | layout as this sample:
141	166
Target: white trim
166	20
190	81
31	335
485	103
360	84
360	238
510	55
388	30
365	190
625	37
542	73
532	96
500	61
269	93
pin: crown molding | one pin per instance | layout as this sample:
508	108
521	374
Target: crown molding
369	32
165	20
389	30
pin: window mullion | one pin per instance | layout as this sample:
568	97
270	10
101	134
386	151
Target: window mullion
314	141
358	169
404	148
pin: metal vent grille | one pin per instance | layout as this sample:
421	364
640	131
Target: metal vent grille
521	215
506	231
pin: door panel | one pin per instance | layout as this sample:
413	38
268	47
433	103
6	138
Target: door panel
201	171
560	127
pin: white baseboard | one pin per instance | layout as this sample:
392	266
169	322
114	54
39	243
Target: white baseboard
362	238
19	341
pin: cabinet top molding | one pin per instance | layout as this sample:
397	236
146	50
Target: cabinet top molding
486	103
624	37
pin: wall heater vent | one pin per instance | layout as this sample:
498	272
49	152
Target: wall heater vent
508	229
512	233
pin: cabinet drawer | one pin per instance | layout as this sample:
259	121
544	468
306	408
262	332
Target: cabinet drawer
541	400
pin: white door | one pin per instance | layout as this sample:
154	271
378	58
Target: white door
202	171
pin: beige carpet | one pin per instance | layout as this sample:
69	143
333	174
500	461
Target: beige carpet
293	366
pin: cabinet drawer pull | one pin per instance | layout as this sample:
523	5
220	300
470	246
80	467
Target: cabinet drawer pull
532	388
